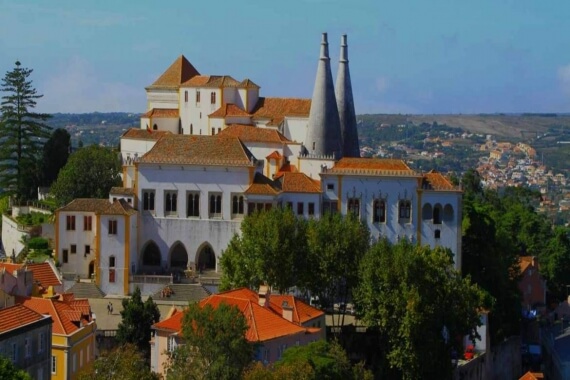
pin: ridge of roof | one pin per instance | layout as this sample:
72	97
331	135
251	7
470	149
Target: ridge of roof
247	83
276	109
144	134
180	71
251	133
15	316
229	110
163	113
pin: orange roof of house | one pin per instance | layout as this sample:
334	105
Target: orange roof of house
9	267
287	168
298	183
532	376
215	81
59	312
276	109
275	154
44	273
265	323
437	181
129	191
17	316
229	110
180	71
199	150
526	261
99	206
144	134
161	113
119	207
371	166
263	186
247	83
250	133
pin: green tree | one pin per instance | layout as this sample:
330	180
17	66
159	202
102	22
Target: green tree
9	371
268	250
90	172
22	134
123	363
55	155
214	347
137	317
419	304
555	263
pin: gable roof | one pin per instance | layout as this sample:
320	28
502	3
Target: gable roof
250	133
214	81
180	71
263	186
199	150
99	206
526	261
229	110
371	166
44	273
434	180
17	316
128	191
292	182
247	83
161	113
265	323
144	134
275	109
60	312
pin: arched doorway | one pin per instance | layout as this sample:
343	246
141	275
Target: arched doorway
178	256
91	269
206	259
151	255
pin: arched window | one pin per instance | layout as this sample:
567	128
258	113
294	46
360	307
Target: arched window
405	211
193	205
237	205
148	200
379	214
437	214
215	205
448	213
155	127
170	202
427	212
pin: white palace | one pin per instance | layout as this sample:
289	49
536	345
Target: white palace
211	150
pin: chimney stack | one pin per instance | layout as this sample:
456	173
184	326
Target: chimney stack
345	104
287	311
264	295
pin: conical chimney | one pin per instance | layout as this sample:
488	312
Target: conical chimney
323	134
345	104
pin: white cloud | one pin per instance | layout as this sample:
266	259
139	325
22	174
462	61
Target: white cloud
564	78
382	84
77	87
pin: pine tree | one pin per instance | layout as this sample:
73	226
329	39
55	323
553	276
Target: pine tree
22	134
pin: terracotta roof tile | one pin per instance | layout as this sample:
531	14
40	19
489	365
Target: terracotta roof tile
86	205
214	81
532	376
161	113
249	133
58	310
371	166
17	316
275	154
275	109
119	207
45	274
122	191
143	134
247	83
9	267
179	72
437	181
298	183
263	186
229	110
199	150
287	168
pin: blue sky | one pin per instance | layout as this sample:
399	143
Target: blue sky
437	56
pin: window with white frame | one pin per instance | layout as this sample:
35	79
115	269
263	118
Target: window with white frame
237	205
53	365
193	205
170	202
148	200
215	205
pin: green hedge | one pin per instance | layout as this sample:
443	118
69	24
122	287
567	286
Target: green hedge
38	243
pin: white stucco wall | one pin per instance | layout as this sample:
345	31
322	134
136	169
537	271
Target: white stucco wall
295	128
135	147
112	245
165	124
163	98
312	166
79	262
12	236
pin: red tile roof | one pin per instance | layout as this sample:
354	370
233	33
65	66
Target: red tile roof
229	110
17	316
250	133
161	113
265	323
263	186
298	183
532	376
371	166
143	134
10	268
179	72
99	206
214	81
59	312
275	109
45	274
199	150
122	191
246	83
275	154
437	181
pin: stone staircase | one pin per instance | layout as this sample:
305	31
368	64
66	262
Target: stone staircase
180	294
86	290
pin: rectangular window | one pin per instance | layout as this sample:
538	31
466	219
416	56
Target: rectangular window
73	249
65	257
213	98
111	275
330	186
237	205
53	365
87	223
300	208
329	207
148	200
185	96
170	202
197	96
112	262
215	205
311	208
70	223
354	206
87	250
213	131
379	212
219	130
404	211
112	227
193	205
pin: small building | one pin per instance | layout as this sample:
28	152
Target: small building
275	323
531	285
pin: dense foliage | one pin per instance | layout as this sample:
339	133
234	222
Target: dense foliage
419	304
137	317
90	172
9	371
214	346
22	135
55	155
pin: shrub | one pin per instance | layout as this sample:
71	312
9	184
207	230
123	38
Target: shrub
38	243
